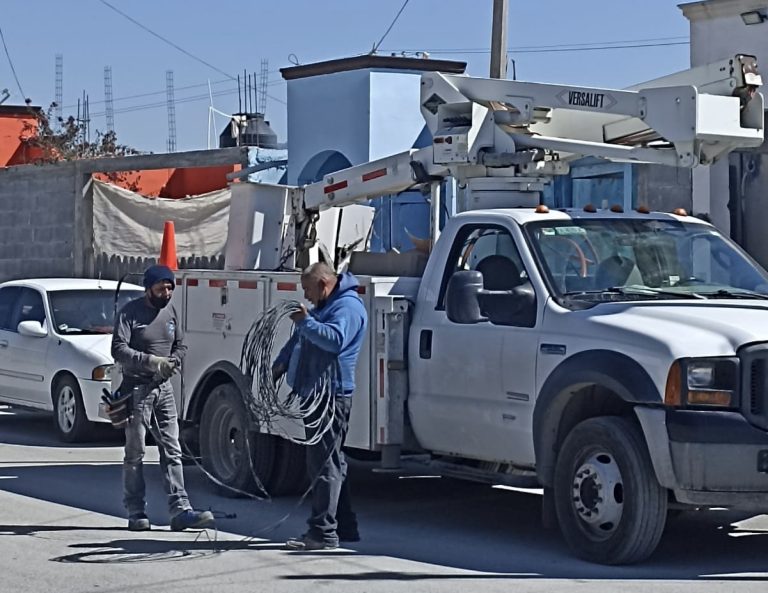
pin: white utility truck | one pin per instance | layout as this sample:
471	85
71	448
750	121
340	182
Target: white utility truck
617	359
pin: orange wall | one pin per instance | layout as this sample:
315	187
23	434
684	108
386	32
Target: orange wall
200	180
165	183
172	183
12	150
147	183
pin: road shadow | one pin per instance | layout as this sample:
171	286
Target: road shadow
35	429
125	551
436	521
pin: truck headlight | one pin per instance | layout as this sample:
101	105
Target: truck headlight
707	382
701	374
103	372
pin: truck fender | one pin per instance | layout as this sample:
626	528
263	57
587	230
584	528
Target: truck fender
610	370
216	374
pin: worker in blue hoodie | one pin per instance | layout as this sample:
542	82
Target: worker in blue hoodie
327	338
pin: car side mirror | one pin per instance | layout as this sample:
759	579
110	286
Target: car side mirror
461	297
32	329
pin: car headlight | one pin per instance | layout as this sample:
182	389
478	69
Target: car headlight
709	382
103	372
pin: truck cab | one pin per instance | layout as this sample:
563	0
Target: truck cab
643	334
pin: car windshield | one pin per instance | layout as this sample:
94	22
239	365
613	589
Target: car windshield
594	260
87	311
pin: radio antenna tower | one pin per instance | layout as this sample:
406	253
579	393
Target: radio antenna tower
261	106
59	109
84	119
109	103
171	101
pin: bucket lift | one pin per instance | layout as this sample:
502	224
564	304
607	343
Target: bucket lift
504	140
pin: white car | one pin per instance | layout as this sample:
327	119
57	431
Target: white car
55	340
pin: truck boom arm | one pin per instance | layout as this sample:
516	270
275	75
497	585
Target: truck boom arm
488	127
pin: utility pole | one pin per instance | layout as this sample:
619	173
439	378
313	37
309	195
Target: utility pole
499	39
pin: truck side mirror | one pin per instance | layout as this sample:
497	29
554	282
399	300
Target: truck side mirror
510	307
461	297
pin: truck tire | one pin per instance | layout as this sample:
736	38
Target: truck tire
240	460
69	417
290	472
610	507
548	512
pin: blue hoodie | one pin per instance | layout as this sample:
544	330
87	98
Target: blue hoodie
331	334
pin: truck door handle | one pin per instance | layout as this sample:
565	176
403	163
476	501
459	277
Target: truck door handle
425	343
3	343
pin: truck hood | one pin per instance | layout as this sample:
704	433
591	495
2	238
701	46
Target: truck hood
685	328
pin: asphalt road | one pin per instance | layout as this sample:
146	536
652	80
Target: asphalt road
62	529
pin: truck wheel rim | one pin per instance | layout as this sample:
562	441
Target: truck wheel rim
66	408
230	444
598	495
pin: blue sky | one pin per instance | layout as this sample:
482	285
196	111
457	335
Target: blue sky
233	35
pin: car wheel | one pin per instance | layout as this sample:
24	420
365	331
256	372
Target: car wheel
610	507
69	417
238	460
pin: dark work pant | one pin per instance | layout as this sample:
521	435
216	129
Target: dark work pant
156	406
327	467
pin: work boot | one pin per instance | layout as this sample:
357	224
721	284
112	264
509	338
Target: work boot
189	519
139	522
306	543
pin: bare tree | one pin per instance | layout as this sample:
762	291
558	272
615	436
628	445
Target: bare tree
69	142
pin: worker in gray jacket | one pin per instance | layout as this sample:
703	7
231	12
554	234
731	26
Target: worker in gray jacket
147	343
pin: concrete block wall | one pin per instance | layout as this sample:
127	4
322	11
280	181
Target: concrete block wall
37	222
46	211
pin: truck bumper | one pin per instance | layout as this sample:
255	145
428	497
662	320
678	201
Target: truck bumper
708	458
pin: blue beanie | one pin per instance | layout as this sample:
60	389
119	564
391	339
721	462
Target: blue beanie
158	273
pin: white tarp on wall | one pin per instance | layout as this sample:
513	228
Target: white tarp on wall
131	225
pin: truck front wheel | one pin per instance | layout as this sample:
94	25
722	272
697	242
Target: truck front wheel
239	460
610	507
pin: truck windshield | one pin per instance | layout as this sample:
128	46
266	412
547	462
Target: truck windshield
87	311
593	260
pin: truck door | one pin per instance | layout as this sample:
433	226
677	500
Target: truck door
473	393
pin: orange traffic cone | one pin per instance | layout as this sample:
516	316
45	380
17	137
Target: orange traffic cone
168	248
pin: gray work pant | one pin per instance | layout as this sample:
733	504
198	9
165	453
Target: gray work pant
158	407
327	467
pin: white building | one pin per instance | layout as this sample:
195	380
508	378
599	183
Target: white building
353	110
733	192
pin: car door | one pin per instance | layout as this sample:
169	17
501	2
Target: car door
9	388
28	354
475	395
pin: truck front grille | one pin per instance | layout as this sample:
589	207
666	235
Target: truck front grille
757	387
754	402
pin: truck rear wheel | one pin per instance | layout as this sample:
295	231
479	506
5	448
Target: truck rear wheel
290	471
238	458
610	507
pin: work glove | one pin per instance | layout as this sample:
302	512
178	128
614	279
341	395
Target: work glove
162	366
